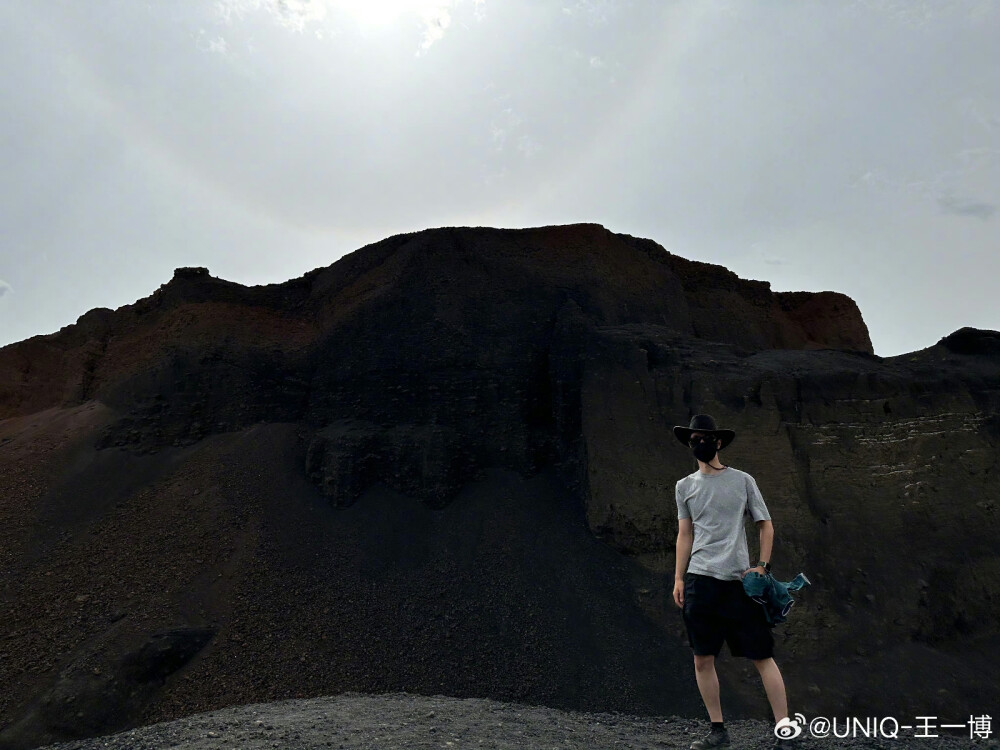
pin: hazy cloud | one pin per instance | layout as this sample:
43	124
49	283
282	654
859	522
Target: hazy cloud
977	209
982	112
762	254
436	19
218	46
292	14
325	17
940	186
594	12
4	288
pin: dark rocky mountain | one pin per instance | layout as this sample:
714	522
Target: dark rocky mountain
444	465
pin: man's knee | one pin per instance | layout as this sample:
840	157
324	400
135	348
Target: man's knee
763	663
705	662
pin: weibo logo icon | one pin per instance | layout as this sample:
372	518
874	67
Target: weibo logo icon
788	729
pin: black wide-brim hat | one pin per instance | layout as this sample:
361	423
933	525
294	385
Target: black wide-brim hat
703	423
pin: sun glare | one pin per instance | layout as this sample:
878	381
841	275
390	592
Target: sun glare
383	12
433	17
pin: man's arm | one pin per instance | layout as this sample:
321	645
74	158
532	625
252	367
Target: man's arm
685	540
758	511
766	539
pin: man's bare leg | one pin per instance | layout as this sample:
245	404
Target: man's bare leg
708	684
774	686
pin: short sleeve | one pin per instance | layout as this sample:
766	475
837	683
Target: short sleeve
755	502
682	507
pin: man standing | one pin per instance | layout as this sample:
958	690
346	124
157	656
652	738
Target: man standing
712	559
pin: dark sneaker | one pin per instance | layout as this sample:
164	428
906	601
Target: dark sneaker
715	738
792	743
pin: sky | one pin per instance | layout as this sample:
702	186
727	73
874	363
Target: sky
836	145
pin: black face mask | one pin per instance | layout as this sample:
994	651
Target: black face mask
705	451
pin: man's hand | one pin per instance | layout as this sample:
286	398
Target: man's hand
759	569
679	592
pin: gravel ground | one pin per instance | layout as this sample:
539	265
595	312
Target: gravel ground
356	721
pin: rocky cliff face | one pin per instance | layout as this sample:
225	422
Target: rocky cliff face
444	464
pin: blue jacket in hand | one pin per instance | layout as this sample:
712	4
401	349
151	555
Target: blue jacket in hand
773	594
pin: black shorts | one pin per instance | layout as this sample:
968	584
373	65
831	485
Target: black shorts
716	611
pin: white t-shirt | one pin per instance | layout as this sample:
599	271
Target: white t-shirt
718	505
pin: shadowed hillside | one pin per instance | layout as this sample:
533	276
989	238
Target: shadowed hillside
443	465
